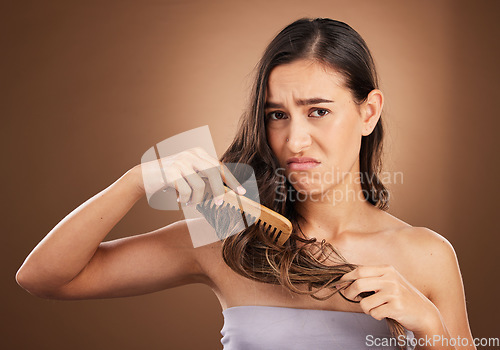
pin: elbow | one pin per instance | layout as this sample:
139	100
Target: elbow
22	279
25	282
30	285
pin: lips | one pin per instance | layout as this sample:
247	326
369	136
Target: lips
302	163
302	160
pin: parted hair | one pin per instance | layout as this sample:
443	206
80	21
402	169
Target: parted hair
302	261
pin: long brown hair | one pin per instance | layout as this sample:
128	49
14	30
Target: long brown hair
301	261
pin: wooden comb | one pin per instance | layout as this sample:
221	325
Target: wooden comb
275	225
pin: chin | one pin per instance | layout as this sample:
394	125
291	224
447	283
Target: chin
308	188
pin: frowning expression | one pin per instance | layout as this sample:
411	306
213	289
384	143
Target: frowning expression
308	104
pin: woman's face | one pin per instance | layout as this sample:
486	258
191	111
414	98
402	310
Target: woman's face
308	104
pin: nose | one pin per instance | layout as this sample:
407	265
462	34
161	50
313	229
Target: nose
299	137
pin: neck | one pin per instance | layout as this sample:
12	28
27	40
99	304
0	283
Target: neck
334	212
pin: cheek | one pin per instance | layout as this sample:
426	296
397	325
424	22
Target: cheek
342	139
351	142
273	141
349	126
337	134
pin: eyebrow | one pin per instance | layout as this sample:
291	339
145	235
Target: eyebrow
305	102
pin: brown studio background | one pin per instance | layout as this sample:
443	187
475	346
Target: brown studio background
87	87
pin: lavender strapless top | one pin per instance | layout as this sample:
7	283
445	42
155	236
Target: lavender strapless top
252	327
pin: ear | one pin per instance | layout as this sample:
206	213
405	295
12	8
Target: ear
371	110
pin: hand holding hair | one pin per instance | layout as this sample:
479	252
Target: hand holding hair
392	296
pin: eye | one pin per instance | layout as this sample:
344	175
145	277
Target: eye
276	115
320	113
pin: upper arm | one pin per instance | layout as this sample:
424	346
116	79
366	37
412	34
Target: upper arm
446	285
140	264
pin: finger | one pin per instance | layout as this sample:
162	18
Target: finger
381	312
183	189
194	181
216	184
212	173
197	187
227	176
373	301
363	271
361	285
230	180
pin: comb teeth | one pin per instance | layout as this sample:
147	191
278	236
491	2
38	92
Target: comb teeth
273	224
278	235
273	232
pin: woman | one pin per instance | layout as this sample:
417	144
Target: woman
313	135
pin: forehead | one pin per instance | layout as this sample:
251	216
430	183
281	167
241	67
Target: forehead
304	79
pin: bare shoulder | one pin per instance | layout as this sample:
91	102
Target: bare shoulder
425	242
414	238
437	262
430	257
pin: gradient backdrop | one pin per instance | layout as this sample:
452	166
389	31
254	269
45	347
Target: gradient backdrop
88	86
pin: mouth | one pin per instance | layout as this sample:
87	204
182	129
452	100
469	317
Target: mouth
302	163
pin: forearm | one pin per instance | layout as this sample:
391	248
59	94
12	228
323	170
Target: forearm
436	337
70	245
